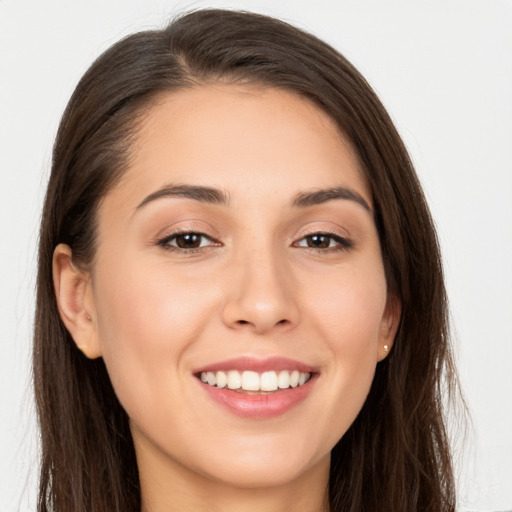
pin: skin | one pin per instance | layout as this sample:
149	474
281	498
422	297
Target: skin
253	288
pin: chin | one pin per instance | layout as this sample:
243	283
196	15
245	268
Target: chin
264	468
260	476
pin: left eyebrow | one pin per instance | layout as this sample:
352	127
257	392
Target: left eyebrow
305	199
198	193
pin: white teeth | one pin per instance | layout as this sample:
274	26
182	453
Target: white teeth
268	381
250	381
283	379
222	380
234	379
253	381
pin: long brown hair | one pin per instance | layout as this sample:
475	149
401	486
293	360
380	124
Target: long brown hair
395	456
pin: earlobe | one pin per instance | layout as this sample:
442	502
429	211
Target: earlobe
75	301
389	326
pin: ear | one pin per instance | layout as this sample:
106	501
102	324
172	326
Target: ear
73	291
389	326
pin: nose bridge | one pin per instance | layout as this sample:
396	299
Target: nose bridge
261	295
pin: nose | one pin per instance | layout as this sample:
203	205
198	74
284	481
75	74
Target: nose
260	294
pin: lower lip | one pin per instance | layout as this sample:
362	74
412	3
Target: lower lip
261	406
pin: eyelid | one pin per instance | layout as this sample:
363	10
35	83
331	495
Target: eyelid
163	241
193	224
344	242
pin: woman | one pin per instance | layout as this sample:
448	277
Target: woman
240	297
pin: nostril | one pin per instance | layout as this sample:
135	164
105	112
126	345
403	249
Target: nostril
246	322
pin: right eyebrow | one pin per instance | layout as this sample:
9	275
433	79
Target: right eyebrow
311	198
198	193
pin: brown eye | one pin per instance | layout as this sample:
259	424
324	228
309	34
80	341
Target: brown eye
186	241
322	241
318	241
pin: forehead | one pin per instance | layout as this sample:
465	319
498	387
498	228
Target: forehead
242	139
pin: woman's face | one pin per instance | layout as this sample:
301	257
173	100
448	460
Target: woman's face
239	248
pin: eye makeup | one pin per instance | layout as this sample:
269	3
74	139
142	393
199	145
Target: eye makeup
187	241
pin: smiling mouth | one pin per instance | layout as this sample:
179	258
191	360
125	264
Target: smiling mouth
251	382
258	388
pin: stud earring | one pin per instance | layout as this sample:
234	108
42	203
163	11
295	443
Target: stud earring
386	348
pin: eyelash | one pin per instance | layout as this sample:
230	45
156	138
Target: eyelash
165	242
342	243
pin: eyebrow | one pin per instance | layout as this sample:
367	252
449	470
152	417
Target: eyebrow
198	193
305	199
212	195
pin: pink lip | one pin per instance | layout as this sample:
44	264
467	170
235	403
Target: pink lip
256	365
259	405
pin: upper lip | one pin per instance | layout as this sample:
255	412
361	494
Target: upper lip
256	364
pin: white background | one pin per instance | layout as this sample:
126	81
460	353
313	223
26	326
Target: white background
443	68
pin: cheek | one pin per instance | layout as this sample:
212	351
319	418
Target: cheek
147	316
349	309
348	315
137	300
